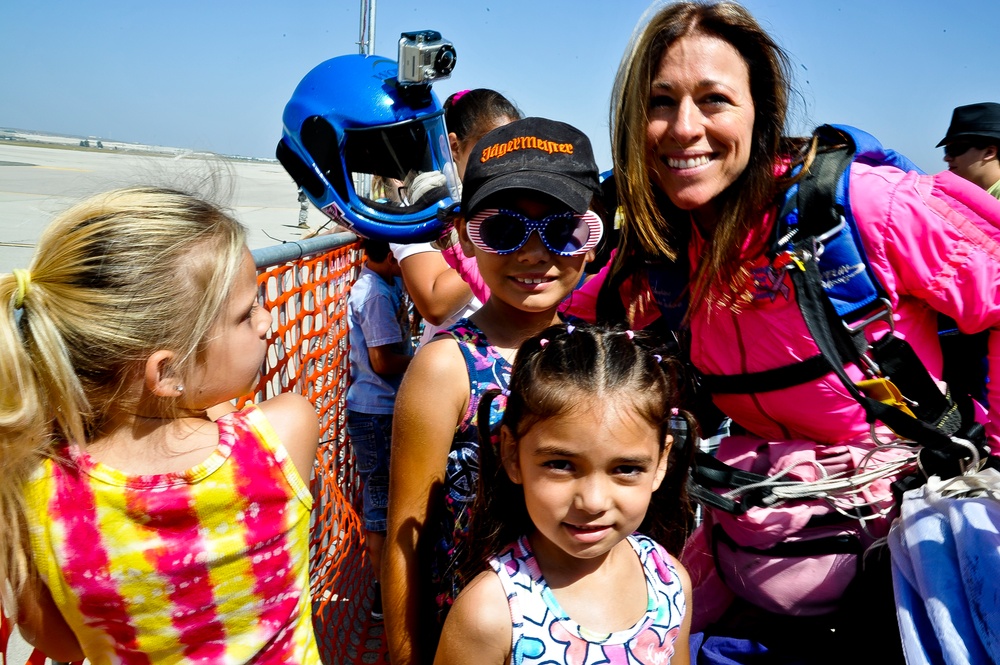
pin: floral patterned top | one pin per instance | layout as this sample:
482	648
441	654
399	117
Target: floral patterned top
544	633
487	369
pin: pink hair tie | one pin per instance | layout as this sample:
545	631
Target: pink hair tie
543	342
630	334
457	96
674	411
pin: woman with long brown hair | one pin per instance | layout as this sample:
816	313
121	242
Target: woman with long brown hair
702	166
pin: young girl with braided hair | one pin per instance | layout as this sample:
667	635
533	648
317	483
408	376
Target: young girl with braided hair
137	528
585	458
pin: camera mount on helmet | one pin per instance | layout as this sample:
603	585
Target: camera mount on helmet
424	57
352	122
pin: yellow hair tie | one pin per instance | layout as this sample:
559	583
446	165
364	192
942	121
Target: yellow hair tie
23	278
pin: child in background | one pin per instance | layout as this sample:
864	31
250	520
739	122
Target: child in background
471	114
526	220
136	529
584	447
379	335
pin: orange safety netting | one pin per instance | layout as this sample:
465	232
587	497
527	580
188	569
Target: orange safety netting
308	353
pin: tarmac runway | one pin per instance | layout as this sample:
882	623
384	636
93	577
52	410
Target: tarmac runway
37	182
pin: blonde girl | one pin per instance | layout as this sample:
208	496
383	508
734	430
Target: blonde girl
136	528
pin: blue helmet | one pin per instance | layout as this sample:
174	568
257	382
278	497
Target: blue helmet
350	125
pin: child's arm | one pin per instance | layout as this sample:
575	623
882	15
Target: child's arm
478	628
294	420
41	624
386	360
382	325
437	290
429	406
682	646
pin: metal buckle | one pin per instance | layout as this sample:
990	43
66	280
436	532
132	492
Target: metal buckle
832	232
884	314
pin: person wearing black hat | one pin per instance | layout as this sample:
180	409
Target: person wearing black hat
526	220
972	145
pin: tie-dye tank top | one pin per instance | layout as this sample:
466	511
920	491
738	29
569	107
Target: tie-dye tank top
205	565
487	369
544	633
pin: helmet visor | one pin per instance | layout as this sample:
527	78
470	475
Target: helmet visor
402	169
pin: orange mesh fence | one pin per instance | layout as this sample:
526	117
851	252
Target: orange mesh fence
308	354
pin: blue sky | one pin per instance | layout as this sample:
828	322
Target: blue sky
215	74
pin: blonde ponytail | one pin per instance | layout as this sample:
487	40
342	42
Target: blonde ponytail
113	279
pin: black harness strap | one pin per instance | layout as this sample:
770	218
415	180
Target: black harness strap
817	214
768	380
813	212
818	314
714	473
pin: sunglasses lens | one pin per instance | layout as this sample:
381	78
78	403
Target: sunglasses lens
502	233
566	235
957	148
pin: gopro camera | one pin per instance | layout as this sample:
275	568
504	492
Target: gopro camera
424	57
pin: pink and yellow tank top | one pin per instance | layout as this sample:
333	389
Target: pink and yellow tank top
206	565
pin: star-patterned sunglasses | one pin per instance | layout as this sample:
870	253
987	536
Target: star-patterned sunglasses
501	231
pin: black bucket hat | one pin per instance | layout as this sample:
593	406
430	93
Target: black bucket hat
981	119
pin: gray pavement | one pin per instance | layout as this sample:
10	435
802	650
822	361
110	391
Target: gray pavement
37	182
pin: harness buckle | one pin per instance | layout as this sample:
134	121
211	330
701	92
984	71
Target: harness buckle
883	314
871	368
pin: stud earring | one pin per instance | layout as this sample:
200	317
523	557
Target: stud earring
179	389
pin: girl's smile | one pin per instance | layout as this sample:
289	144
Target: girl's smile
588	533
531	278
533	282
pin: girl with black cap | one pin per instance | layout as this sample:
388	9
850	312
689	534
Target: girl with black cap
526	219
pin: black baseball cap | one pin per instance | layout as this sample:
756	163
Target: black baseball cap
973	120
536	154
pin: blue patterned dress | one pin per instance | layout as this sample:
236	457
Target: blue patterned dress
487	369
